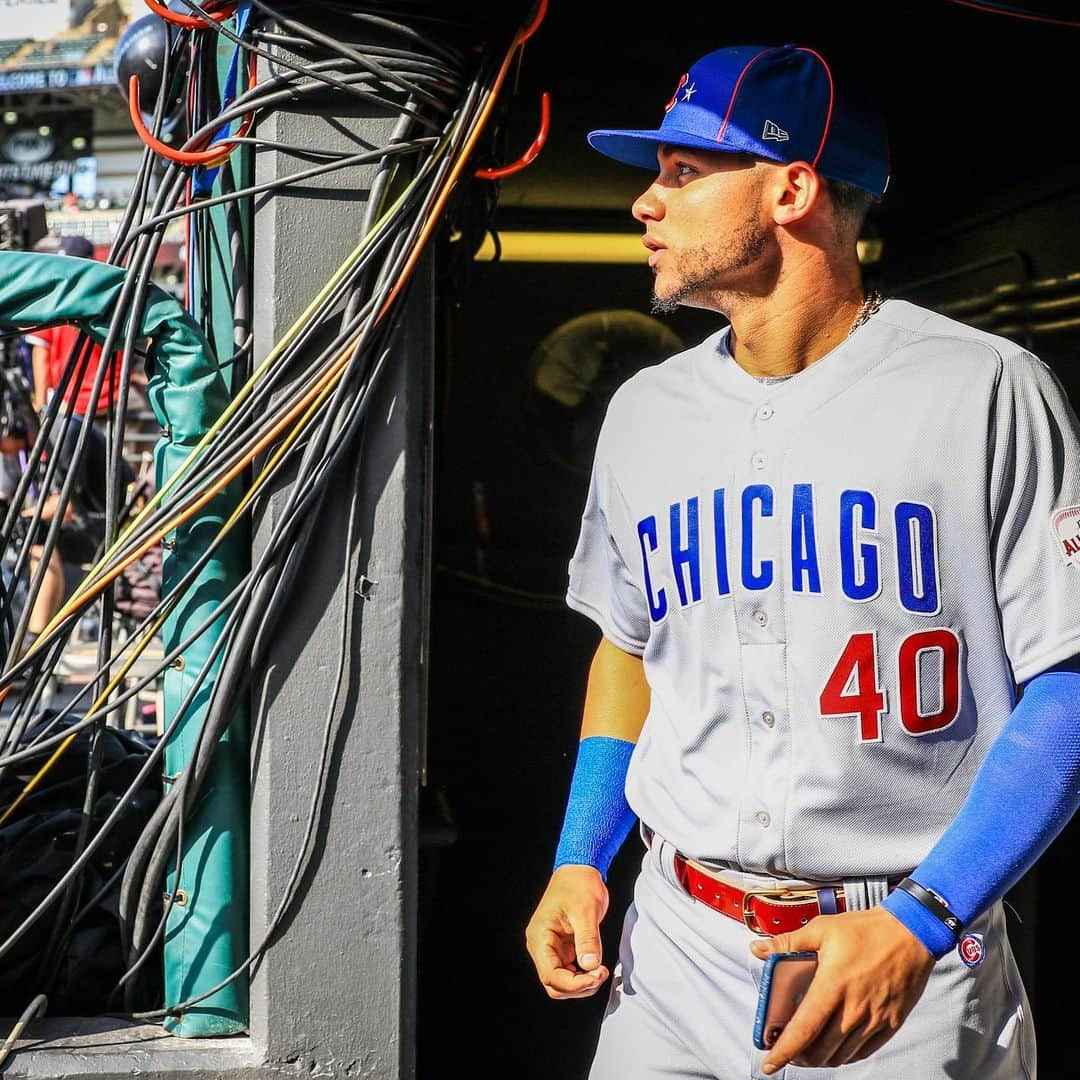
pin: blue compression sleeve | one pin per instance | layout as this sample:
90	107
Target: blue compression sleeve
598	817
1024	793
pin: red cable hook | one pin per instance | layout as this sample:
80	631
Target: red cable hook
538	18
191	22
530	155
214	155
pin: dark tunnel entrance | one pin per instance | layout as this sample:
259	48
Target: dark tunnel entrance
965	231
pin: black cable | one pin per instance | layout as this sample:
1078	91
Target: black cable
160	831
321	75
318	794
227	685
364	158
240	277
354	307
94	843
77	454
32	1011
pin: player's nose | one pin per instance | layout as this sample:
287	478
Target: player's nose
649	205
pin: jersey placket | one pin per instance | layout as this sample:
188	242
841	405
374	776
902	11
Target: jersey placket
757	582
764	467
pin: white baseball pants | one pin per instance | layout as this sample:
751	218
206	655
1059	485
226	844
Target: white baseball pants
684	994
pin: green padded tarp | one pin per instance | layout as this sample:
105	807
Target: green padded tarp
207	936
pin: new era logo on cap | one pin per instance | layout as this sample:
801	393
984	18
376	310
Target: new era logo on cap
774	132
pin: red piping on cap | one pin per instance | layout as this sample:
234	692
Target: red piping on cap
735	93
828	115
675	97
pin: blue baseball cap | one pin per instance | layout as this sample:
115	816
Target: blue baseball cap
781	103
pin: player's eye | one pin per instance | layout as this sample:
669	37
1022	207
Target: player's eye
682	169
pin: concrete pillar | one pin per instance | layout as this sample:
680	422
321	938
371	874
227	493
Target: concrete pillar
338	991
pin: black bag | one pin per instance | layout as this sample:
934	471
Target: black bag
36	849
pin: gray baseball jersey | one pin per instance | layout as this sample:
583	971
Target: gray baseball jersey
835	583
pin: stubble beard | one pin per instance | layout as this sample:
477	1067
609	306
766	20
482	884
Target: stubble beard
706	270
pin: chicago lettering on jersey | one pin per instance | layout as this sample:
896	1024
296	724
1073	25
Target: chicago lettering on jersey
686	553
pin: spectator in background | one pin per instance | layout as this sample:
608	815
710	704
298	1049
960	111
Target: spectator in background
14	444
51	348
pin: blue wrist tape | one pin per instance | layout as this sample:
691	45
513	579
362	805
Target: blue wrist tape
1024	793
598	817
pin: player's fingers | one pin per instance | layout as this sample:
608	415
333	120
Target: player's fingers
807	1023
551	947
562	983
548	950
861	1041
587	946
553	957
549	939
829	1045
847	1048
873	1044
808	939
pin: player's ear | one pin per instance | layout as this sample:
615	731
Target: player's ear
796	189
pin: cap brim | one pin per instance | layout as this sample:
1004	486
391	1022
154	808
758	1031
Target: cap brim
630	147
639	147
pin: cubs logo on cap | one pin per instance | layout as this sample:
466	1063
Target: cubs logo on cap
971	949
782	103
678	90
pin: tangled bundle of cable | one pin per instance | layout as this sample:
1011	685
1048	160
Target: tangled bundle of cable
291	419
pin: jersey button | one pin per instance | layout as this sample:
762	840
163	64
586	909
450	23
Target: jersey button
768	718
763	819
765	412
760	618
759	461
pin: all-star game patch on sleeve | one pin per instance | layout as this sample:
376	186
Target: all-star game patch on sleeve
601	584
1035	516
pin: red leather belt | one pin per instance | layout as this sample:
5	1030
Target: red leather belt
765	911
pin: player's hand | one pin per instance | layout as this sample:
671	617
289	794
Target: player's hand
871	971
563	936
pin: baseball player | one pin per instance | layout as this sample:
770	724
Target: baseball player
828	549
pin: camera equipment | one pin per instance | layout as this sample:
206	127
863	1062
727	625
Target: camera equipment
22	224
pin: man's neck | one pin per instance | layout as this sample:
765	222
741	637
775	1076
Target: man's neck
793	327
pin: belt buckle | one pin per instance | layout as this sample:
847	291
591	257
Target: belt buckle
748	916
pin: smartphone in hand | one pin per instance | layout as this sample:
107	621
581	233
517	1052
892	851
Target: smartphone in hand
784	983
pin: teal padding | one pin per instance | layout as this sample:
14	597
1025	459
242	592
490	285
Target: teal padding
187	392
207	936
222	896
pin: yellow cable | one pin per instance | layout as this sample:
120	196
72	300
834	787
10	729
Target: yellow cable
323	386
36	779
115	681
102	698
272	357
93	575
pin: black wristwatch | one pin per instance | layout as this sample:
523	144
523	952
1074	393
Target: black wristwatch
933	903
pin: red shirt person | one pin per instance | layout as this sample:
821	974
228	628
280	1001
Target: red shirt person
51	349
